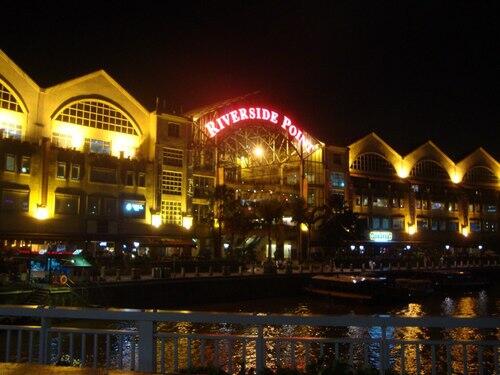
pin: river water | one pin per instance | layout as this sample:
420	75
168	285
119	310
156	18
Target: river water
473	303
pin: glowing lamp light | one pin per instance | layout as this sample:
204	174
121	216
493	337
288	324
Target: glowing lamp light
403	172
156	220
187	222
303	227
480	247
447	247
42	212
455	178
353	247
258	151
465	232
412	229
136	244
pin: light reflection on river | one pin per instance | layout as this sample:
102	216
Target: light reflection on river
279	353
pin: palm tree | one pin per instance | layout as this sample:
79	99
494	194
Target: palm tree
271	212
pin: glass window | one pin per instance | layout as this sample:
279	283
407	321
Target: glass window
25	164
425	204
337	159
171	183
376	223
435	224
437	205
129	181
61	170
475	225
423	223
173	130
10	163
103	175
203	186
365	201
337	180
93	205
385	223
62	140
471	207
171	212
97	146
14	200
201	213
398	223
67	204
8	100
357	200
380	202
109	207
490	208
414	188
477	207
135	209
442	225
141	179
97	114
419	204
172	156
453	225
75	172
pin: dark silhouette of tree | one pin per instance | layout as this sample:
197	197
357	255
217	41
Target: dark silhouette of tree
270	212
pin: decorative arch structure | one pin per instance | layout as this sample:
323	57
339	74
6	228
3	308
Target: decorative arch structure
477	166
427	161
373	163
372	144
480	174
13	112
84	122
429	169
258	149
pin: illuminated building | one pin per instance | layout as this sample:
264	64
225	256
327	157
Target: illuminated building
424	196
85	162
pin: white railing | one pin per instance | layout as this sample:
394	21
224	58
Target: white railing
149	342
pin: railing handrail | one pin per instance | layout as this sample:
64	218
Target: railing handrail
247	318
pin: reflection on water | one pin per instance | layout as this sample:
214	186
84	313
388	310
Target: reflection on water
338	341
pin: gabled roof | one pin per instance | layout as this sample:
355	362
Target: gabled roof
433	147
96	74
374	136
483	154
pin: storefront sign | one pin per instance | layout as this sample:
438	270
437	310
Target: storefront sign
261	114
380	236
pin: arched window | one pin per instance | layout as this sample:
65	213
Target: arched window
429	169
8	99
480	175
11	113
97	114
372	163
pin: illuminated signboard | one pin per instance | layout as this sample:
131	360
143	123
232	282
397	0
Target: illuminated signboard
380	236
262	114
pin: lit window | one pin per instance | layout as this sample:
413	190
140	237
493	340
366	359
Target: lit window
475	225
385	223
434	224
453	225
419	204
365	201
203	186
171	183
129	181
414	188
97	114
62	140
437	205
490	208
357	200
141	179
423	224
173	130
10	163
375	223
61	170
8	100
67	204
75	172
97	146
172	156
337	180
372	163
25	164
380	202
171	212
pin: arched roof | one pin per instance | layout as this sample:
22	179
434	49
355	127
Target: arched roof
10	99
373	144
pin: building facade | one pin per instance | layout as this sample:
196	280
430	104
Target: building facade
85	163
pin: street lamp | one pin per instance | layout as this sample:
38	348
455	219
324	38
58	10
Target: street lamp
258	151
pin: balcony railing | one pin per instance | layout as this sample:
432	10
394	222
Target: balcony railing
166	341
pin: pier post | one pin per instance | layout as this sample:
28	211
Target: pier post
260	357
42	341
146	346
196	271
210	270
183	272
240	270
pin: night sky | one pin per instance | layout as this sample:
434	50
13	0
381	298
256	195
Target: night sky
409	71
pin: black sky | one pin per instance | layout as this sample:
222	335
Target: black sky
410	71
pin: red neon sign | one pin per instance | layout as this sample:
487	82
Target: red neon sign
262	114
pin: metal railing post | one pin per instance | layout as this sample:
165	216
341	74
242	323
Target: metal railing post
260	356
383	349
42	343
147	358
